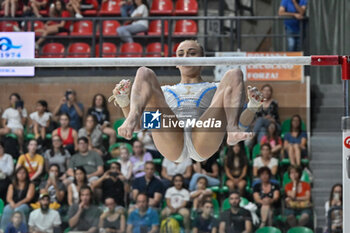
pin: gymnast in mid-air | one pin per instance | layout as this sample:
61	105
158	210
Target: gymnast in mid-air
191	98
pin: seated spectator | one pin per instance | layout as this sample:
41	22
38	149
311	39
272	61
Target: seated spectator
177	198
80	180
208	169
6	170
112	220
125	163
149	185
93	132
335	201
34	7
236	219
33	162
236	166
145	136
57	10
265	160
40	120
139	159
85	215
19	194
57	155
170	169
111	184
100	111
126	8
69	105
14	118
44	219
73	6
17	224
137	25
295	141
68	135
10	7
206	223
144	218
272	137
298	199
88	159
266	196
201	194
53	186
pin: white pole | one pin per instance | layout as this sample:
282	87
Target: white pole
163	61
346	172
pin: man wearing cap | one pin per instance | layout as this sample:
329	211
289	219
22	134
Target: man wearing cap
44	219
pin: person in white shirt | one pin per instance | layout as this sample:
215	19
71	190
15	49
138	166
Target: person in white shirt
265	160
40	120
177	198
170	169
6	170
44	219
141	11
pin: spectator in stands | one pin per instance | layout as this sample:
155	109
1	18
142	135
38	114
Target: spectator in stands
100	111
296	9
144	218
170	169
112	220
265	160
266	196
272	137
139	159
201	194
298	199
236	219
88	159
57	155
6	170
17	225
53	186
34	6
93	132
14	118
126	8
149	185
206	223
10	7
68	135
80	180
236	166
137	25
125	163
111	184
44	219
209	169
40	120
19	194
85	215
69	105
145	136
295	141
177	198
73	6
57	10
33	162
335	202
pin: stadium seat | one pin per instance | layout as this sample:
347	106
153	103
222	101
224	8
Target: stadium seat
109	27
185	28
161	7
285	127
155	50
7	26
93	10
18	12
108	50
1	207
110	7
186	7
256	151
82	28
175	48
268	230
155	28
118	144
52	50
131	50
79	50
300	230
36	25
216	209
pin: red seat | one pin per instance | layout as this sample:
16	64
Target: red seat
155	27
161	7
109	27
7	26
185	27
175	48
36	25
55	50
79	50
93	10
18	12
110	7
155	50
82	28
186	7
131	50
108	50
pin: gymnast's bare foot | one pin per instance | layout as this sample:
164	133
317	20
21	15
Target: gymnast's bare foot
235	137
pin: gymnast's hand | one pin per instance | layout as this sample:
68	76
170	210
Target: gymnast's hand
256	98
121	94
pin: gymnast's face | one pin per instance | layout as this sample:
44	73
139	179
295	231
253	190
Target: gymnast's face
189	49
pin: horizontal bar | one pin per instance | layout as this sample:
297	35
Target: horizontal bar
161	61
325	60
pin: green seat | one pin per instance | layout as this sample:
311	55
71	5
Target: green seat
157	161
117	124
304	177
215	189
256	151
11	135
226	204
30	136
105	137
216	208
268	230
286	162
285	127
1	207
67	230
300	230
112	161
118	144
